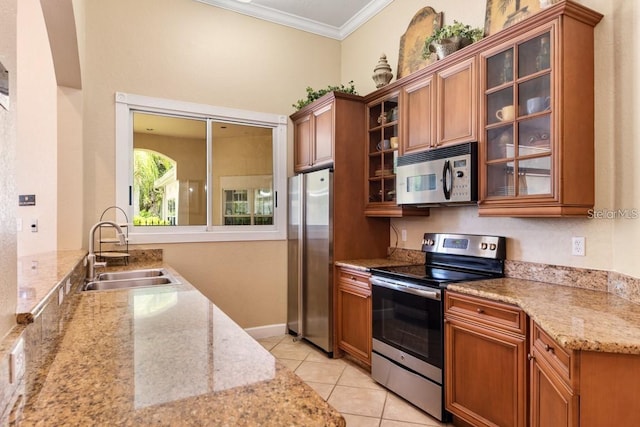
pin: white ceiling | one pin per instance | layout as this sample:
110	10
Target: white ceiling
330	18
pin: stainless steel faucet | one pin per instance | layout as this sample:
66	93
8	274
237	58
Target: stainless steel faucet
91	258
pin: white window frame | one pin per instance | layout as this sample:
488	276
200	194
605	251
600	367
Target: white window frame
126	104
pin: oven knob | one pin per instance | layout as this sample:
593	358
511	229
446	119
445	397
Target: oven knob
483	246
492	247
459	174
428	242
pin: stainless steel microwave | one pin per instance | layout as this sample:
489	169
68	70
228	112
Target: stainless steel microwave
441	176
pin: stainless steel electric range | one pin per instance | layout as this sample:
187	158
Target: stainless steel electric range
408	313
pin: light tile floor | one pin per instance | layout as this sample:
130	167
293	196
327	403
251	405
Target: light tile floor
347	387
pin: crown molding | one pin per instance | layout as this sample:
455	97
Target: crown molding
301	23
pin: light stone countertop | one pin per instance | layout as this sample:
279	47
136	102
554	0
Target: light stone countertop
366	264
578	319
38	274
166	355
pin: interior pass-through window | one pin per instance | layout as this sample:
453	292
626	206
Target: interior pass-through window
192	172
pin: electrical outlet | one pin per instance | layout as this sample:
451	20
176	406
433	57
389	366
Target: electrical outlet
17	362
404	235
578	246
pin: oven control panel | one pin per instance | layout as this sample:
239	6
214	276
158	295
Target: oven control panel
465	244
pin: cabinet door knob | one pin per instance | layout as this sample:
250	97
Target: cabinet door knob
479	310
530	356
353	278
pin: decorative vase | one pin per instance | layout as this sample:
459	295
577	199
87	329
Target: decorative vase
444	48
382	74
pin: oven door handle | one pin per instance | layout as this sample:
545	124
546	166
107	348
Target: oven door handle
396	286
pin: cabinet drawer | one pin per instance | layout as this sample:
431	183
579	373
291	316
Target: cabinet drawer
498	315
347	276
560	360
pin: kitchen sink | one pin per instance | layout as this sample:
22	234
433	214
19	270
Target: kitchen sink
132	274
135	279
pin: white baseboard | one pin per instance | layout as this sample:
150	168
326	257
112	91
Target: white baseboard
267	331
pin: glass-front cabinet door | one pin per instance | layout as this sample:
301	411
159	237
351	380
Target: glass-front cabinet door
517	124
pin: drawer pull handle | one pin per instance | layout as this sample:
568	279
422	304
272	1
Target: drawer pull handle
548	348
353	278
479	310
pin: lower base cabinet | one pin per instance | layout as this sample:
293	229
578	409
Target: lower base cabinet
582	388
485	361
486	379
353	317
554	376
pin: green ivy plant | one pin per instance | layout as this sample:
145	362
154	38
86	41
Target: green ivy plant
312	94
465	32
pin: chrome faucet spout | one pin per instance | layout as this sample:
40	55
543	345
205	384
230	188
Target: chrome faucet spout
91	257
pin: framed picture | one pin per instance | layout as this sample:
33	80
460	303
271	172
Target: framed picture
502	14
412	41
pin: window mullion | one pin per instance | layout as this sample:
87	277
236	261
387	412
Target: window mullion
209	184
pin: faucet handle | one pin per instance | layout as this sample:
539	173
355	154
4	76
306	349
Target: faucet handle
102	264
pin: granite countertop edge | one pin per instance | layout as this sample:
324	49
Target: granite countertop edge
368	264
578	319
288	397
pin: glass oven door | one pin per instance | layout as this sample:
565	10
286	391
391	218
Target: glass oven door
408	319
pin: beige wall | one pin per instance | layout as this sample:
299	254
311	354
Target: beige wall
8	194
617	102
189	51
621	71
37	128
70	166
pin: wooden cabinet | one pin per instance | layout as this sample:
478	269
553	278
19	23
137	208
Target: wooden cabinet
355	236
381	151
581	388
553	401
440	109
418	115
537	113
457	103
485	361
317	126
353	318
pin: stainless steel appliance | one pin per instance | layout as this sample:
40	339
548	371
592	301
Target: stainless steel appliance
408	313
310	258
447	175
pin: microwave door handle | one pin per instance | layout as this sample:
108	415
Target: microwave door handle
447	178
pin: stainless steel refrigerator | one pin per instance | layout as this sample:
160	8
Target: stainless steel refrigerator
310	258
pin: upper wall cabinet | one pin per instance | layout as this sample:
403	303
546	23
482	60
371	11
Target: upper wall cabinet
537	114
440	108
314	136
